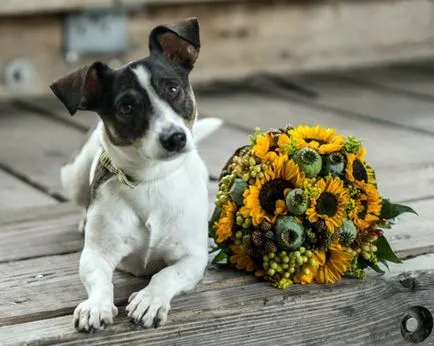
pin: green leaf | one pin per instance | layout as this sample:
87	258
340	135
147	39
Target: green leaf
384	262
385	251
364	264
219	257
390	210
215	216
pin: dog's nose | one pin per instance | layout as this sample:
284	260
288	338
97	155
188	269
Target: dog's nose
173	140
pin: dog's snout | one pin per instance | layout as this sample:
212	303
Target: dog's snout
174	140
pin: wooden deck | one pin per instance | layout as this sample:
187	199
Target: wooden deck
392	108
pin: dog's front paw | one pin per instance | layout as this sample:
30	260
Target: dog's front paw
148	309
93	315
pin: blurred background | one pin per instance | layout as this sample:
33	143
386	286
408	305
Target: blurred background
364	67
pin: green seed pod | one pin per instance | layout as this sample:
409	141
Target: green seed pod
334	164
348	232
309	161
237	190
289	234
296	202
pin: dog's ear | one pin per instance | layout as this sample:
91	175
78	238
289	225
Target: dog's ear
82	88
178	42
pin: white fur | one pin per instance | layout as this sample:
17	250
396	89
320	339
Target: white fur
158	228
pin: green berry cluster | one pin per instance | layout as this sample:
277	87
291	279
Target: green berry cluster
283	264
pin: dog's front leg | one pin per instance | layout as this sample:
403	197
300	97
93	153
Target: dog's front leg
149	307
101	254
96	272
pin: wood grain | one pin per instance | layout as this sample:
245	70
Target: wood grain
14	193
48	286
398	79
45	231
36	147
403	159
357	312
384	105
38	232
51	106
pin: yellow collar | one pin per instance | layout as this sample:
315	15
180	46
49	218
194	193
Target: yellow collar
104	159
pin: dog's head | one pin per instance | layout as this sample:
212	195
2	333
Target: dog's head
147	104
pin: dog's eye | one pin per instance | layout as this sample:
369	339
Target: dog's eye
173	90
125	108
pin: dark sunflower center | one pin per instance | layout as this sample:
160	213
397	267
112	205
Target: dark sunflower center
308	140
327	204
272	191
362	213
359	171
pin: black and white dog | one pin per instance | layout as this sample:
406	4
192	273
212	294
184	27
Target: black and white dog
139	177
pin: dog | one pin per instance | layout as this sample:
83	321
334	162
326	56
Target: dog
139	178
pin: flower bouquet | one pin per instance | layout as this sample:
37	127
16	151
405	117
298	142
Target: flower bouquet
301	205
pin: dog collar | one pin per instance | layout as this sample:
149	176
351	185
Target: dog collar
119	173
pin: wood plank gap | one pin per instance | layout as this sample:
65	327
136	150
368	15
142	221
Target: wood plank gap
34	184
23	105
280	93
387	88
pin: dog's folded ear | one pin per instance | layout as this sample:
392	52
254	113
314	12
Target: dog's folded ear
81	89
178	42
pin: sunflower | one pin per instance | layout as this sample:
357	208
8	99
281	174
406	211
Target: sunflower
241	260
330	204
263	148
333	264
325	141
223	227
357	170
265	200
367	207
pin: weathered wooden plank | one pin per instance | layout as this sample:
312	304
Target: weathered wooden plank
39	232
254	36
356	312
16	194
47	231
403	159
397	78
362	100
51	106
49	286
36	147
414	234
